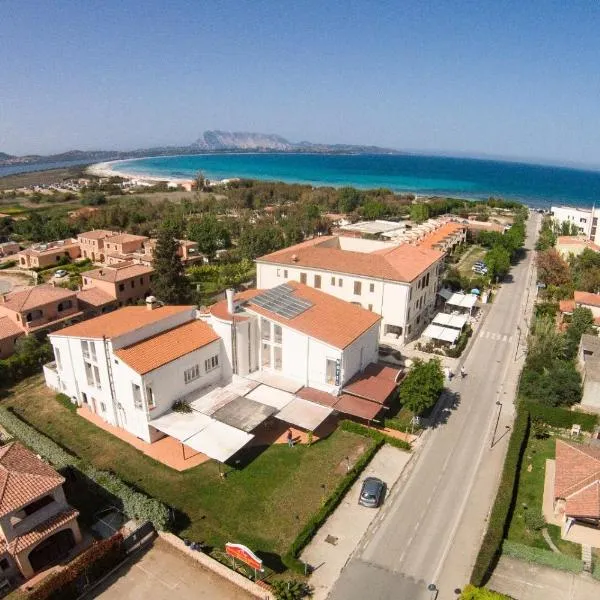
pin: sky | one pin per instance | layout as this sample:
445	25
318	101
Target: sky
499	78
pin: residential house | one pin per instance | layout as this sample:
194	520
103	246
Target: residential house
585	220
48	255
445	238
8	249
567	245
93	302
582	300
589	365
120	246
126	282
37	525
92	244
9	333
398	282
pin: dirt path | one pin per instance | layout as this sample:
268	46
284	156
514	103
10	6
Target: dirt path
13	281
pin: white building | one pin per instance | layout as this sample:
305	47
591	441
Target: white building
585	219
398	282
130	367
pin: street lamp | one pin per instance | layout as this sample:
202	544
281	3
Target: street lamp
433	589
499	405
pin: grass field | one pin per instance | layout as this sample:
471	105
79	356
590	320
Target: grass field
264	504
469	258
530	497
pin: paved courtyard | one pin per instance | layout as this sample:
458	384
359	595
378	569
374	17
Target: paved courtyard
163	573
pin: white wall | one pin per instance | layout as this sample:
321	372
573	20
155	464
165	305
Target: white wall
580	217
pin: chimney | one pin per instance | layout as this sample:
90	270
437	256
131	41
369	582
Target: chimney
151	303
229	293
294	258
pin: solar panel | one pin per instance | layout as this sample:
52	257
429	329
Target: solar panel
280	301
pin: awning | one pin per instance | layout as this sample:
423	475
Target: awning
453	321
244	414
376	383
357	407
210	402
304	414
270	396
219	441
181	425
462	300
437	332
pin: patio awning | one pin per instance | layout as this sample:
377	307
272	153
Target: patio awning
211	401
453	321
181	425
437	332
219	441
304	414
244	414
462	300
270	396
357	407
376	383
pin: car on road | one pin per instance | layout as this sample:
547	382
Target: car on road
60	273
371	492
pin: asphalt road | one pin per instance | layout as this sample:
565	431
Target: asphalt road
433	523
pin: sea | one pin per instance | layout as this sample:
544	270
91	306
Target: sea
538	186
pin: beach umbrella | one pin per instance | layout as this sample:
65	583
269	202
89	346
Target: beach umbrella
475	291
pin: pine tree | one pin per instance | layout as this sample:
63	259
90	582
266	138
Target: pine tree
169	283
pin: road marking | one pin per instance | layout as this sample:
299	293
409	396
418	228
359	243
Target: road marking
153	576
517	580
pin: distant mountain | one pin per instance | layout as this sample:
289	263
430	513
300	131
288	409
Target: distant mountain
210	141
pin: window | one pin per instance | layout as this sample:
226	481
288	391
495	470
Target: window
38	504
285	274
57	358
357	288
191	374
65	305
150	398
278	272
340	282
141	281
331	372
132	283
85	349
277	334
318	282
371	287
102	407
265	329
333	281
393	330
121	287
137	396
34	315
303	278
84	397
370	307
93	349
89	373
97	377
4	564
211	363
427	280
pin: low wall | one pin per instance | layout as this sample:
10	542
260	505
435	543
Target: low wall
216	567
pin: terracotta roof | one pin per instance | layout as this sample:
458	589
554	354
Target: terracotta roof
440	234
375	383
41	531
122	238
165	347
35	296
51	249
347	404
97	234
566	306
120	272
121	321
8	328
94	297
23	477
587	298
569	240
398	263
577	478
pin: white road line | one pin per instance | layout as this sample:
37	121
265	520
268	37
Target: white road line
517	580
153	576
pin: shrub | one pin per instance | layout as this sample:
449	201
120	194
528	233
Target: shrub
291	589
9	264
542	557
503	505
181	407
534	521
474	593
461	344
28	359
561	417
66	402
374	434
539	429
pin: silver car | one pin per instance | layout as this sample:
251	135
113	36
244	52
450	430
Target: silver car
371	492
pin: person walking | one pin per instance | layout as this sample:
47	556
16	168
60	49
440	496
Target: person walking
290	438
463	373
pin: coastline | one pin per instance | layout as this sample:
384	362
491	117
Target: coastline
107	169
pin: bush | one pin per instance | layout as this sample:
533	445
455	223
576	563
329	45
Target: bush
561	417
9	264
461	344
542	557
503	505
539	429
28	359
474	593
291	589
534	521
66	402
374	434
558	383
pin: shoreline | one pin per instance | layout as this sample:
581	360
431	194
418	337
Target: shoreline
106	169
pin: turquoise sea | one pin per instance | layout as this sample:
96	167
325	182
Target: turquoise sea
536	185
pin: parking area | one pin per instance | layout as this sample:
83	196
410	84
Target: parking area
335	542
164	573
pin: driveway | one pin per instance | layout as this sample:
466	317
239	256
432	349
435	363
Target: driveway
333	545
164	573
532	582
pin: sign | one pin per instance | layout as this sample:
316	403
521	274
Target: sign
245	555
337	371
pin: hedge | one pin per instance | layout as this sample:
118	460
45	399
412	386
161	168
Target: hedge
542	557
378	436
9	264
135	505
290	559
499	518
561	417
474	593
88	567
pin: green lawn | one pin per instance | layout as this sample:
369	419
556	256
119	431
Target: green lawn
469	258
530	496
264	504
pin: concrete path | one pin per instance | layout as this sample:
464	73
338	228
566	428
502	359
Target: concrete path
349	522
525	581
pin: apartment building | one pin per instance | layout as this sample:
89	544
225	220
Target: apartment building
122	245
397	282
126	282
48	255
37	525
92	244
586	220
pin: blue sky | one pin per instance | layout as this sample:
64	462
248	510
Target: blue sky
502	78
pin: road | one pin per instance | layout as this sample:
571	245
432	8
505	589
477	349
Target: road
433	522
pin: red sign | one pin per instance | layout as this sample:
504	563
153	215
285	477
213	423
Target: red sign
245	555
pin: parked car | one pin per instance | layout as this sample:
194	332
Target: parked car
371	492
60	273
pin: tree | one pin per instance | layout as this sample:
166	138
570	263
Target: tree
557	383
552	269
419	213
169	283
372	209
259	240
497	260
546	344
348	199
423	385
210	234
582	321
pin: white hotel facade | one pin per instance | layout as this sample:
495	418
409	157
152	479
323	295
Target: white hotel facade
585	219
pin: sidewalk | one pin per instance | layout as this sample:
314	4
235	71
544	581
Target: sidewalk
337	539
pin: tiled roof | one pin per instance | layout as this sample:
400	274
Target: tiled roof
329	319
41	531
376	383
398	263
440	234
8	328
35	296
566	306
94	297
123	238
577	477
23	477
120	272
51	249
587	298
569	240
97	234
121	321
165	347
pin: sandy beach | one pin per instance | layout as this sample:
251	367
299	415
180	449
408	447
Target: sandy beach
111	169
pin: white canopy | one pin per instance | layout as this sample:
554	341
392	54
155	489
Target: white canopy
270	396
181	425
219	441
212	401
462	300
437	332
452	321
304	413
